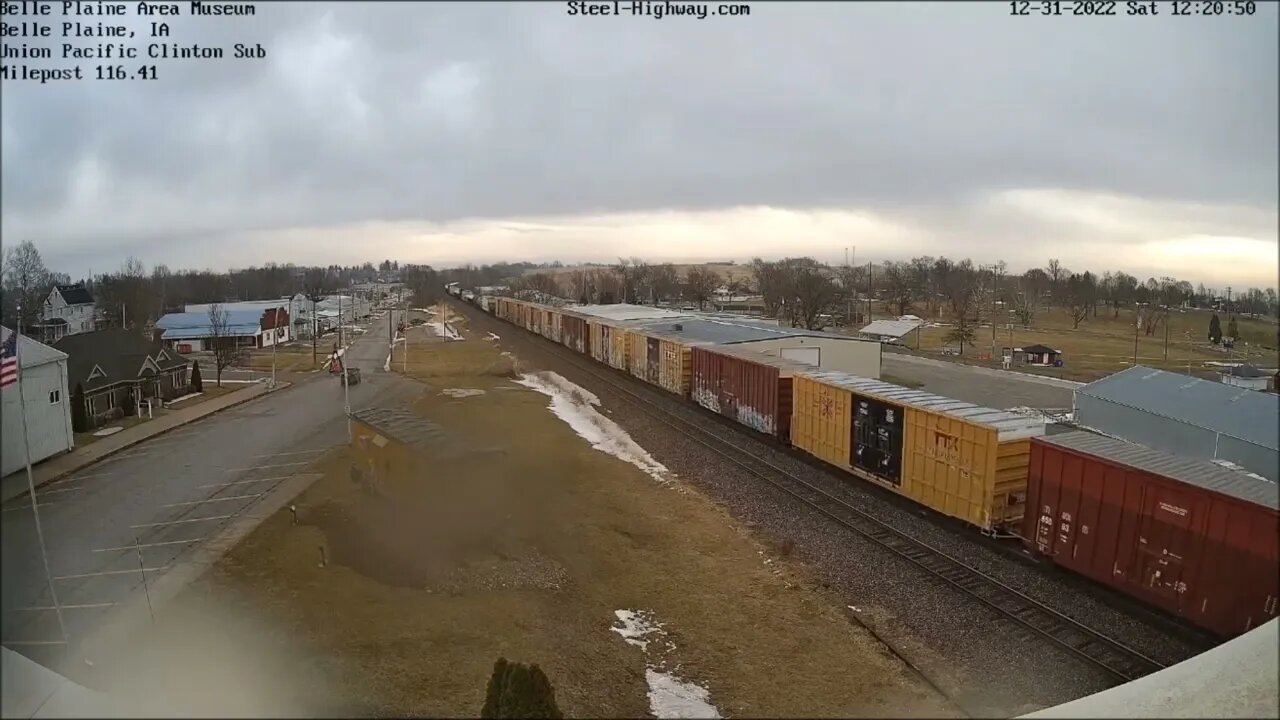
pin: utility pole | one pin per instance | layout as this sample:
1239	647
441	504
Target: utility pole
1166	337
994	288
31	486
1137	320
870	298
275	340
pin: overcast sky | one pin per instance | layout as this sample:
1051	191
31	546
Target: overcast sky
446	133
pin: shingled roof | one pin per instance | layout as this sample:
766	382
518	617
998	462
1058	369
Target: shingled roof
76	294
118	353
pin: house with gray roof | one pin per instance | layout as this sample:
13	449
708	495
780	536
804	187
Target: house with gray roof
1185	415
68	310
109	371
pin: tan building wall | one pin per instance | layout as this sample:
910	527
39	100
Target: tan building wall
856	357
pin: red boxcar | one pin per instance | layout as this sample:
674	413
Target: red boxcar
1195	538
752	388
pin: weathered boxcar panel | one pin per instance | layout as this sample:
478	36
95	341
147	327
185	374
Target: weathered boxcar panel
1194	538
820	420
676	367
752	388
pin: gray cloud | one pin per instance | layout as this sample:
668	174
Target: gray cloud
438	111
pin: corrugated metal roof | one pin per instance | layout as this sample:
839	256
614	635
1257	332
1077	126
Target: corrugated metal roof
1200	473
401	424
786	367
1008	426
890	328
32	353
624	311
728	331
1238	412
187	325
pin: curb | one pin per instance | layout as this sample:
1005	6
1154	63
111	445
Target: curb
280	386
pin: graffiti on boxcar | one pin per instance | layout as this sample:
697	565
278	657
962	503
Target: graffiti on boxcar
755	419
707	399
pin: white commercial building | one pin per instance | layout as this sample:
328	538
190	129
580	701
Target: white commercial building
43	373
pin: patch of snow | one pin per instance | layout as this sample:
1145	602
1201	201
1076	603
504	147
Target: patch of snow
494	337
635	625
576	407
188	396
461	392
671	697
1048	416
108	431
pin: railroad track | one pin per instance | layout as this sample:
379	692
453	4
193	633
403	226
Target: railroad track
1092	646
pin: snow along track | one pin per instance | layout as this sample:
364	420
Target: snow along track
1090	645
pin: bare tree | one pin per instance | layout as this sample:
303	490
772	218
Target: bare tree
899	290
542	282
1081	293
26	282
771	281
224	345
813	292
700	284
664	280
958	288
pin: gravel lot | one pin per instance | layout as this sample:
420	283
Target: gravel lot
984	662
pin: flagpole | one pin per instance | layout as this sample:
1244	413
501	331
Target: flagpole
31	485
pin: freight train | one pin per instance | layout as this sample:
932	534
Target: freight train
1196	539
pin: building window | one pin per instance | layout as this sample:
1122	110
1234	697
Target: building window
55	397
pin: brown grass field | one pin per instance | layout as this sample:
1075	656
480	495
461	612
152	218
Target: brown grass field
526	551
1105	344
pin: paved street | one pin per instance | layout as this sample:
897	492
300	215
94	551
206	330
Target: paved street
167	495
982	386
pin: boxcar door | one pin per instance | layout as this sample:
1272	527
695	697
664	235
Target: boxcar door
877	439
1164	542
653	370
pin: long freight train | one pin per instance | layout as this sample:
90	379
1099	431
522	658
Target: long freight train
1191	537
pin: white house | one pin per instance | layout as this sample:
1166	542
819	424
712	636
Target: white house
43	373
67	311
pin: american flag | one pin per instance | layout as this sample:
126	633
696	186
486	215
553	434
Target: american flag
9	361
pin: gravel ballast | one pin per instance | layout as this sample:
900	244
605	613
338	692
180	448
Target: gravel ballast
987	664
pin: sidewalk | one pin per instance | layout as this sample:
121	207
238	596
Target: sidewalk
16	484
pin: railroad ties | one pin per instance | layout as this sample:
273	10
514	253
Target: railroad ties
1092	646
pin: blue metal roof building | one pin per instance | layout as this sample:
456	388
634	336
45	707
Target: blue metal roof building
1187	416
241	322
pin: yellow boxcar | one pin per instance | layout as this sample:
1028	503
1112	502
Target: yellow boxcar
820	419
960	459
676	369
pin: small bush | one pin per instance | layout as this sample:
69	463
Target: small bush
197	385
516	690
